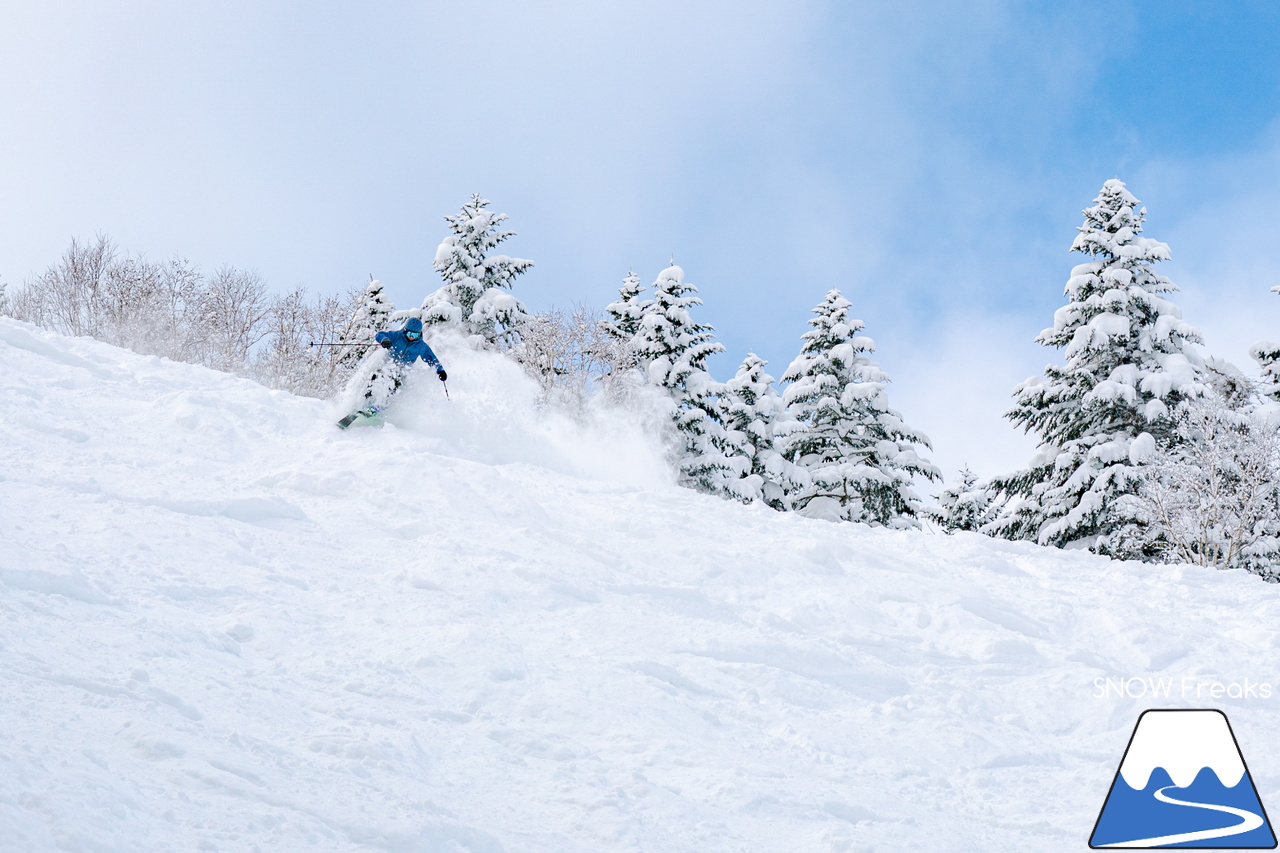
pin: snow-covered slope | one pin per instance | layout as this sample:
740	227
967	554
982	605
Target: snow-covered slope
226	625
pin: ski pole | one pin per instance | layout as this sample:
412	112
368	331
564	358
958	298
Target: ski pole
445	385
314	344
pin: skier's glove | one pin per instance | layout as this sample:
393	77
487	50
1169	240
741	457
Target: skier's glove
385	343
443	376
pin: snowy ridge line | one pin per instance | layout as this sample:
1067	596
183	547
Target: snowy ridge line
484	642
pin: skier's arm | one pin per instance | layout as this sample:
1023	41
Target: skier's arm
430	358
383	339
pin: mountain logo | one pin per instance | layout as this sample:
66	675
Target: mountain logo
1182	783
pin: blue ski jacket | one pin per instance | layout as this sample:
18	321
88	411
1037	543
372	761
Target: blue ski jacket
405	351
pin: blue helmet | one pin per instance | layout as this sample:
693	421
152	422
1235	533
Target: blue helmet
413	324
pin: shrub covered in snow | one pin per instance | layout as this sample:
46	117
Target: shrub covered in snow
573	357
227	320
1213	499
288	361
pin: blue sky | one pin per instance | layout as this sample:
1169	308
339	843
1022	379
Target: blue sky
929	159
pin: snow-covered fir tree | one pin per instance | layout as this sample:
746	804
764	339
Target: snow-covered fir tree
371	314
672	350
754	414
859	454
4	300
476	295
1267	354
1129	366
967	505
621	323
623	315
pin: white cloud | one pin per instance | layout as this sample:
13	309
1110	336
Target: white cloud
1224	215
957	384
314	142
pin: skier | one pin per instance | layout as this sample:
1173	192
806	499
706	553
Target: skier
404	347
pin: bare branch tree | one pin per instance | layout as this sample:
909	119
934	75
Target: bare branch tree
67	297
1215	499
571	356
232	316
288	361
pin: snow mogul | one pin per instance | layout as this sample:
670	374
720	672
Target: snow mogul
404	347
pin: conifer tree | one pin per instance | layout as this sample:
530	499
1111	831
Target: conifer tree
620	325
372	314
4	300
965	506
754	415
624	314
672	350
1129	366
858	452
476	296
1267	354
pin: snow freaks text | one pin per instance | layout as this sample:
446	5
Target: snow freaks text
1184	687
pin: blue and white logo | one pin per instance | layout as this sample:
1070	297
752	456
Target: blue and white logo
1183	783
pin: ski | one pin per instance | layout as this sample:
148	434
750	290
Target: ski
364	417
